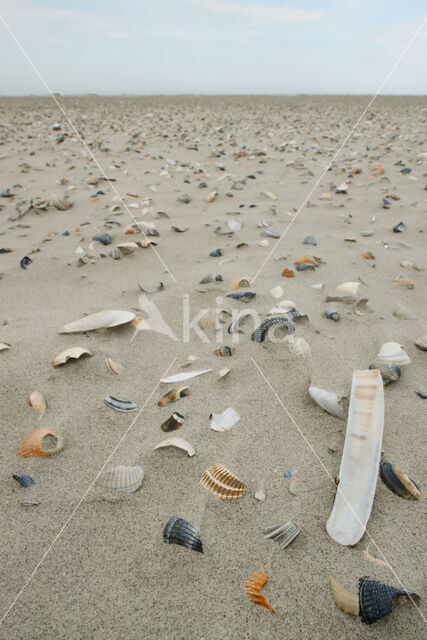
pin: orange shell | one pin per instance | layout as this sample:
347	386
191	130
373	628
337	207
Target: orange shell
304	260
240	282
223	483
253	586
288	273
33	444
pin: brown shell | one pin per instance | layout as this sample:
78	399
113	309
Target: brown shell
223	483
253	586
304	260
239	283
174	395
288	273
41	443
223	350
347	602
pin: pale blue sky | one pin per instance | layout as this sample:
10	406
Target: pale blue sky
213	46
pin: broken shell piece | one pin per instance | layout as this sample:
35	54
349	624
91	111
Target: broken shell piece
151	289
223	483
331	314
269	195
4	346
259	495
398	482
389	372
113	367
127	247
173	423
288	273
211	277
179	229
253	586
403	313
400	228
287	305
224	372
235	326
421	343
181	532
348	288
407	264
371	558
73	352
211	197
307	260
283	535
225	420
276	292
361	306
260	333
239	283
223	350
126	406
347	602
37	402
310	240
179	377
404	282
173	396
24	479
325	196
243	296
293	481
376	599
122	479
180	443
41	443
393	353
99	320
331	402
360	459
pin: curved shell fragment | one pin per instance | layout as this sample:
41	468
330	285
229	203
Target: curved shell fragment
344	600
122	479
173	396
73	353
253	586
37	402
283	535
100	320
329	401
179	443
41	443
225	420
125	406
181	532
223	483
393	353
114	367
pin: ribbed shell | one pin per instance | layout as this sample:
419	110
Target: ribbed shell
389	372
376	599
24	479
182	532
283	535
41	443
393	353
122	479
260	333
253	586
223	483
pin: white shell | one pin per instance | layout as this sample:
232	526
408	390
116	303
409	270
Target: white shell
317	286
421	343
348	288
177	442
99	320
276	292
287	305
329	401
4	346
234	225
72	352
360	459
225	420
179	377
122	479
393	353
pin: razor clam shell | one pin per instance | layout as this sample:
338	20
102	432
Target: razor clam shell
260	333
122	479
37	402
393	353
99	320
173	396
225	420
41	442
398	482
389	372
179	443
125	406
74	352
223	483
376	599
360	459
329	401
173	423
179	377
283	535
24	479
344	600
181	532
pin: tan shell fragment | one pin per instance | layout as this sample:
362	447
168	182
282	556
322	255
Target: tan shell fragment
212	196
127	247
404	282
122	479
347	602
240	283
41	442
180	443
73	352
223	483
114	367
99	320
4	346
174	395
348	288
37	402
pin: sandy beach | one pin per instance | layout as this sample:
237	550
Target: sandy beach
109	573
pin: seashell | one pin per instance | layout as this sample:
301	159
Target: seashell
269	195
342	188
400	228
103	237
253	586
182	532
179	377
223	483
367	255
239	283
243	296
310	240
376	599
306	260
389	372
24	479
234	326
299	347
126	406
37	402
122	479
403	313
264	243
360	459
270	233
113	367
173	423
63	204
180	443
114	253
224	372
211	197
283	535
151	288
325	196
127	247
287	305
293	481
348	288
407	264
190	361
404	282
31	503
331	402
371	558
288	273
378	169
4	346
276	292
421	343
259	495
73	352
211	277
223	350
393	353
347	602
305	267
331	314
41	442
225	420
173	396
99	320
289	473
216	253
317	286
234	225
185	198
398	482
361	306
179	229
260	333
421	395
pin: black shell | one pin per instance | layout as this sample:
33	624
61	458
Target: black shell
398	482
243	296
331	314
182	532
235	325
173	423
120	405
223	350
24	479
261	331
376	599
305	266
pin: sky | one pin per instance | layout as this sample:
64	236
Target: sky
148	47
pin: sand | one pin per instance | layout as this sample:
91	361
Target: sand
109	573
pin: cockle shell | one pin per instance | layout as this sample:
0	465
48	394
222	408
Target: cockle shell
41	442
389	372
181	532
253	586
174	395
393	353
329	401
122	479
283	535
24	479
360	459
74	352
223	483
180	443
37	402
99	320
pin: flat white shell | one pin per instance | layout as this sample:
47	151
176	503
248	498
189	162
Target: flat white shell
393	353
360	459
179	377
99	320
225	420
329	401
122	479
180	443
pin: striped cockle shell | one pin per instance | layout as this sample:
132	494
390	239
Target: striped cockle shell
283	535
223	483
122	479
